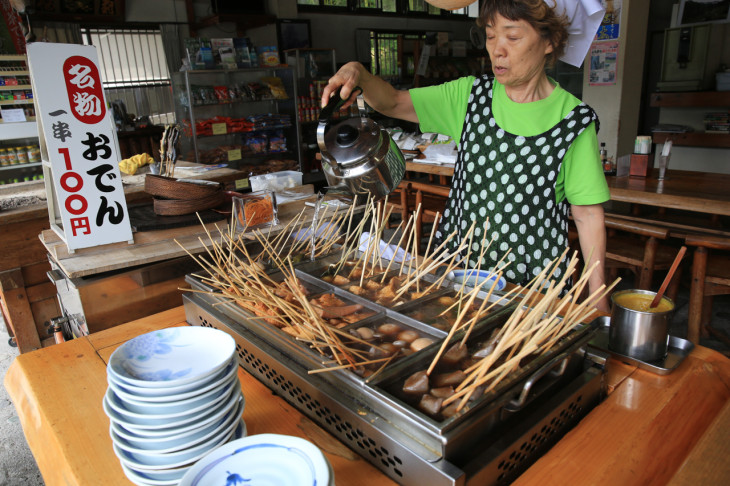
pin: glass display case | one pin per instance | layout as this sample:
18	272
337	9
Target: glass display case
244	118
312	68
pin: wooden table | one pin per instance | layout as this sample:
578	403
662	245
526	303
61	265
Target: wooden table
702	192
651	429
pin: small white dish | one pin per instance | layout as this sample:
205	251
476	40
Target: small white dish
144	479
142	416
473	277
261	459
165	442
178	406
171	394
144	461
169	429
176	443
173	356
171	476
157	457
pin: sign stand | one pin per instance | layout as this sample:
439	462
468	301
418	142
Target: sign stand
79	147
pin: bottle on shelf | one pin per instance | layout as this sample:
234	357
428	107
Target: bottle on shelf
12	156
22	155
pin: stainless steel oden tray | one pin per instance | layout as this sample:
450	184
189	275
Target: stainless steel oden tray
407	446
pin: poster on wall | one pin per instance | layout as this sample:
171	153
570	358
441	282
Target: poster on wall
603	63
12	38
609	28
80	142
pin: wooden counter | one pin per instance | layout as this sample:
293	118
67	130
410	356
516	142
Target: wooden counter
27	296
651	429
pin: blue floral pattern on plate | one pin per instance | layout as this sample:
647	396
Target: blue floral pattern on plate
148	346
262	459
172	356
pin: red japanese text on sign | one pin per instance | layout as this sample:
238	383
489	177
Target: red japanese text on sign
84	88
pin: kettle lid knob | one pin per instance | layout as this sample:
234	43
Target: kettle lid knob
346	135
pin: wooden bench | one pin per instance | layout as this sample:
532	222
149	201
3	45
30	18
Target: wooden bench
710	277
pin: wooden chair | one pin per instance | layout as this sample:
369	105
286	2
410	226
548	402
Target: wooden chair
636	246
398	201
710	277
432	199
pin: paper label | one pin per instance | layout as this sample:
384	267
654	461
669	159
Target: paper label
219	128
234	155
12	115
242	184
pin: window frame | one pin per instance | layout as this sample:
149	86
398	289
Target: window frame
402	10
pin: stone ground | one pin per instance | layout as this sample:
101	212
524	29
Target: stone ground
17	465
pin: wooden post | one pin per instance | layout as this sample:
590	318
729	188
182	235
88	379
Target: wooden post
16	308
696	294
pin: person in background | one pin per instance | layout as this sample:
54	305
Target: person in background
527	149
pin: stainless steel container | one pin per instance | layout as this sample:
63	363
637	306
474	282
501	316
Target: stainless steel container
639	334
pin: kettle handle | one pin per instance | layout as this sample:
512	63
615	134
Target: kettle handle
335	103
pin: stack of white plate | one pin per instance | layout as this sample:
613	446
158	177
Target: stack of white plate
273	459
173	396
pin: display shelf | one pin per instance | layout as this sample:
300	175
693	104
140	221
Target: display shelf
17	134
312	67
228	146
20	166
12	131
691	99
693	139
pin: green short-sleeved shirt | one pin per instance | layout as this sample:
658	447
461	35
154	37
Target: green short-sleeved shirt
442	109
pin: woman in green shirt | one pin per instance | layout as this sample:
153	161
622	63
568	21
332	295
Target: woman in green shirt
528	150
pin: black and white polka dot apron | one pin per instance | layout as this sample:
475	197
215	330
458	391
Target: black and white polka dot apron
509	181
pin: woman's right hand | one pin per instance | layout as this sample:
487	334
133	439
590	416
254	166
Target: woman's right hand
347	77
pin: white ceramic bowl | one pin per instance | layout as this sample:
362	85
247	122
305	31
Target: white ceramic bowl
145	460
473	277
172	357
165	429
147	417
130	442
261	459
171	394
180	406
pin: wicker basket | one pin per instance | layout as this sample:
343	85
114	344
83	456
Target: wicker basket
170	188
176	207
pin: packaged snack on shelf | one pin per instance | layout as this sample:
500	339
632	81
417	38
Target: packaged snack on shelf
276	86
277	142
268	56
221	94
256	143
243	59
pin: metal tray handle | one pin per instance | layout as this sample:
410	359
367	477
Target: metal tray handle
555	367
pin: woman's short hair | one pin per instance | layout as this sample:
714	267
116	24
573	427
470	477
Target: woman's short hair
538	13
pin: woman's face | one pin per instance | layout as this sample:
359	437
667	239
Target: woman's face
517	51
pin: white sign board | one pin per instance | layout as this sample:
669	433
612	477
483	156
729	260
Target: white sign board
82	150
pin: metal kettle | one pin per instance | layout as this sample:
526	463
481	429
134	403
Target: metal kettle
358	155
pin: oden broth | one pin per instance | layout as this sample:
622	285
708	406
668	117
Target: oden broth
641	302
